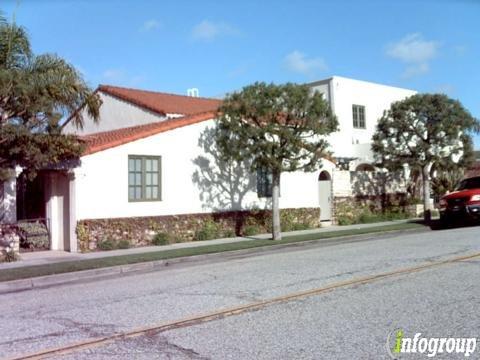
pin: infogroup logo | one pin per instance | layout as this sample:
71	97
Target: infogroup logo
398	345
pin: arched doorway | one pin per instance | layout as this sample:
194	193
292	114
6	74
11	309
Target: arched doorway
325	195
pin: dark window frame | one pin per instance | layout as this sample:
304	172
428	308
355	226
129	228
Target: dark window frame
359	116
143	178
264	183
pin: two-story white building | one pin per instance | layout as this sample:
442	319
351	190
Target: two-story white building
149	159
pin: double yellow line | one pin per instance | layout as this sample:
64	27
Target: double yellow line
197	319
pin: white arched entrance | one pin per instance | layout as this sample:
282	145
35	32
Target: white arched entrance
325	195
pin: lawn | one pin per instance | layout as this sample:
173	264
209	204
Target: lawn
79	265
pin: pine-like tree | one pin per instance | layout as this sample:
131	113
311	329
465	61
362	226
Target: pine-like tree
278	128
423	131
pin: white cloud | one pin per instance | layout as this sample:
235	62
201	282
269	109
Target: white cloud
122	77
298	62
150	25
414	51
208	30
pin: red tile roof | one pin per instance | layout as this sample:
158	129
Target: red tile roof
162	103
109	139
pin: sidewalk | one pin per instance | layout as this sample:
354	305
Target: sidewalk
51	257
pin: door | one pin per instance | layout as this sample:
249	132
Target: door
325	195
58	210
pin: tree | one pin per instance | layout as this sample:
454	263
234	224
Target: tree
278	128
37	92
424	131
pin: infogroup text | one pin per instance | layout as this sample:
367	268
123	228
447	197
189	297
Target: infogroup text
428	346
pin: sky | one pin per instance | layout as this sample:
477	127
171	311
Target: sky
221	46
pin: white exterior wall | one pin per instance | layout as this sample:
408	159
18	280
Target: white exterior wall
342	185
375	97
102	180
115	114
323	87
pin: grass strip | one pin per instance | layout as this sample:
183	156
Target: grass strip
79	265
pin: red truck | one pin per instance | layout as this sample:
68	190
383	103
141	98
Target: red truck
463	204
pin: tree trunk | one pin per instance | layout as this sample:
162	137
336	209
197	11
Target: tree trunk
426	193
276	233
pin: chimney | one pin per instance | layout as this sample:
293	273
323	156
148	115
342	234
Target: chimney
193	92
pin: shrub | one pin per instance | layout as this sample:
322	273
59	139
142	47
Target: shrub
287	221
161	238
123	244
349	214
366	216
228	233
34	235
251	230
106	245
82	237
301	226
208	231
346	213
8	255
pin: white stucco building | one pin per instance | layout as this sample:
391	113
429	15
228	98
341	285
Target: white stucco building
144	158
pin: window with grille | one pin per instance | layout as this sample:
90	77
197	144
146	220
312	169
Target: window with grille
144	178
358	112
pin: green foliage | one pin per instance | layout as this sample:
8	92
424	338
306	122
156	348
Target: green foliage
424	129
301	226
106	245
208	231
250	230
33	151
161	238
349	213
425	132
277	128
446	181
346	213
228	233
123	244
291	223
36	93
82	237
34	235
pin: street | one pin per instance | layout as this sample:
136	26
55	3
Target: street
349	321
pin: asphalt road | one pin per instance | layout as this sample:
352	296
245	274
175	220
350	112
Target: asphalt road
350	322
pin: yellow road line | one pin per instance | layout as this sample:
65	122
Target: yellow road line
194	320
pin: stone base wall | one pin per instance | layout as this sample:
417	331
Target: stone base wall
376	204
9	242
140	231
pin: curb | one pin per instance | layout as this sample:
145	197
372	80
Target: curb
77	276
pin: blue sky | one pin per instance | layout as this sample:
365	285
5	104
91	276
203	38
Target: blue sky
220	46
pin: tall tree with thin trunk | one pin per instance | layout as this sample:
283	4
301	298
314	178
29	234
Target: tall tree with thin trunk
278	128
423	131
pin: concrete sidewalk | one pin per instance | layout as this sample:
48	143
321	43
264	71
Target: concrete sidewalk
49	257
